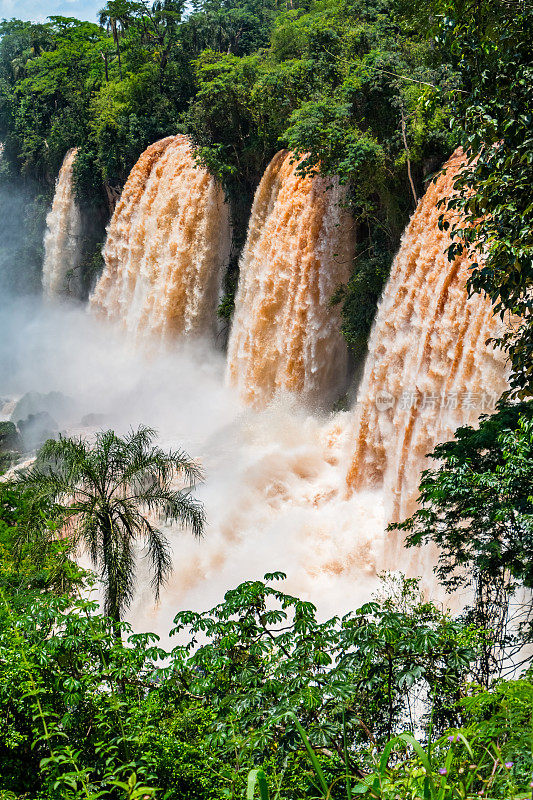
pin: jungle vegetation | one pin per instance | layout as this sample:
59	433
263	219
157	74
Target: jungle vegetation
378	92
398	699
256	693
359	85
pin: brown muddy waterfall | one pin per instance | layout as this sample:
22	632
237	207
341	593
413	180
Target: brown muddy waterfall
285	335
167	247
429	368
311	493
62	237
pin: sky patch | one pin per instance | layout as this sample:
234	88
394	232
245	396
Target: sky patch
39	10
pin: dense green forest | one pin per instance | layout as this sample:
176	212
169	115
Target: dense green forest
378	92
359	86
394	700
398	700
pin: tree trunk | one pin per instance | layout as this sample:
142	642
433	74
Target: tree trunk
115	36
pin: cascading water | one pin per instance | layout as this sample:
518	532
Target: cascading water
429	368
62	237
167	245
275	493
285	335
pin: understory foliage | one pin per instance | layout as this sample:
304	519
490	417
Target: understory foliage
359	676
258	682
477	506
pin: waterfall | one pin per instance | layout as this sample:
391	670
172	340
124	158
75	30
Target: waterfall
62	236
167	245
429	368
285	335
428	371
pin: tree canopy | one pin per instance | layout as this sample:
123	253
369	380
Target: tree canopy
355	84
490	43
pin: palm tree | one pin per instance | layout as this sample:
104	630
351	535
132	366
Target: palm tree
108	494
115	17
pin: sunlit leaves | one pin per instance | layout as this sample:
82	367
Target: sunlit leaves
263	655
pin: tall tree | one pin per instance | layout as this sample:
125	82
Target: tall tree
116	15
108	494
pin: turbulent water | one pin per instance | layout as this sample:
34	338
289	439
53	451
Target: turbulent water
274	490
285	488
62	237
429	368
285	335
167	246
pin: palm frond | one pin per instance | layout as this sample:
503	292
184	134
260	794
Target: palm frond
159	553
104	493
176	506
117	570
